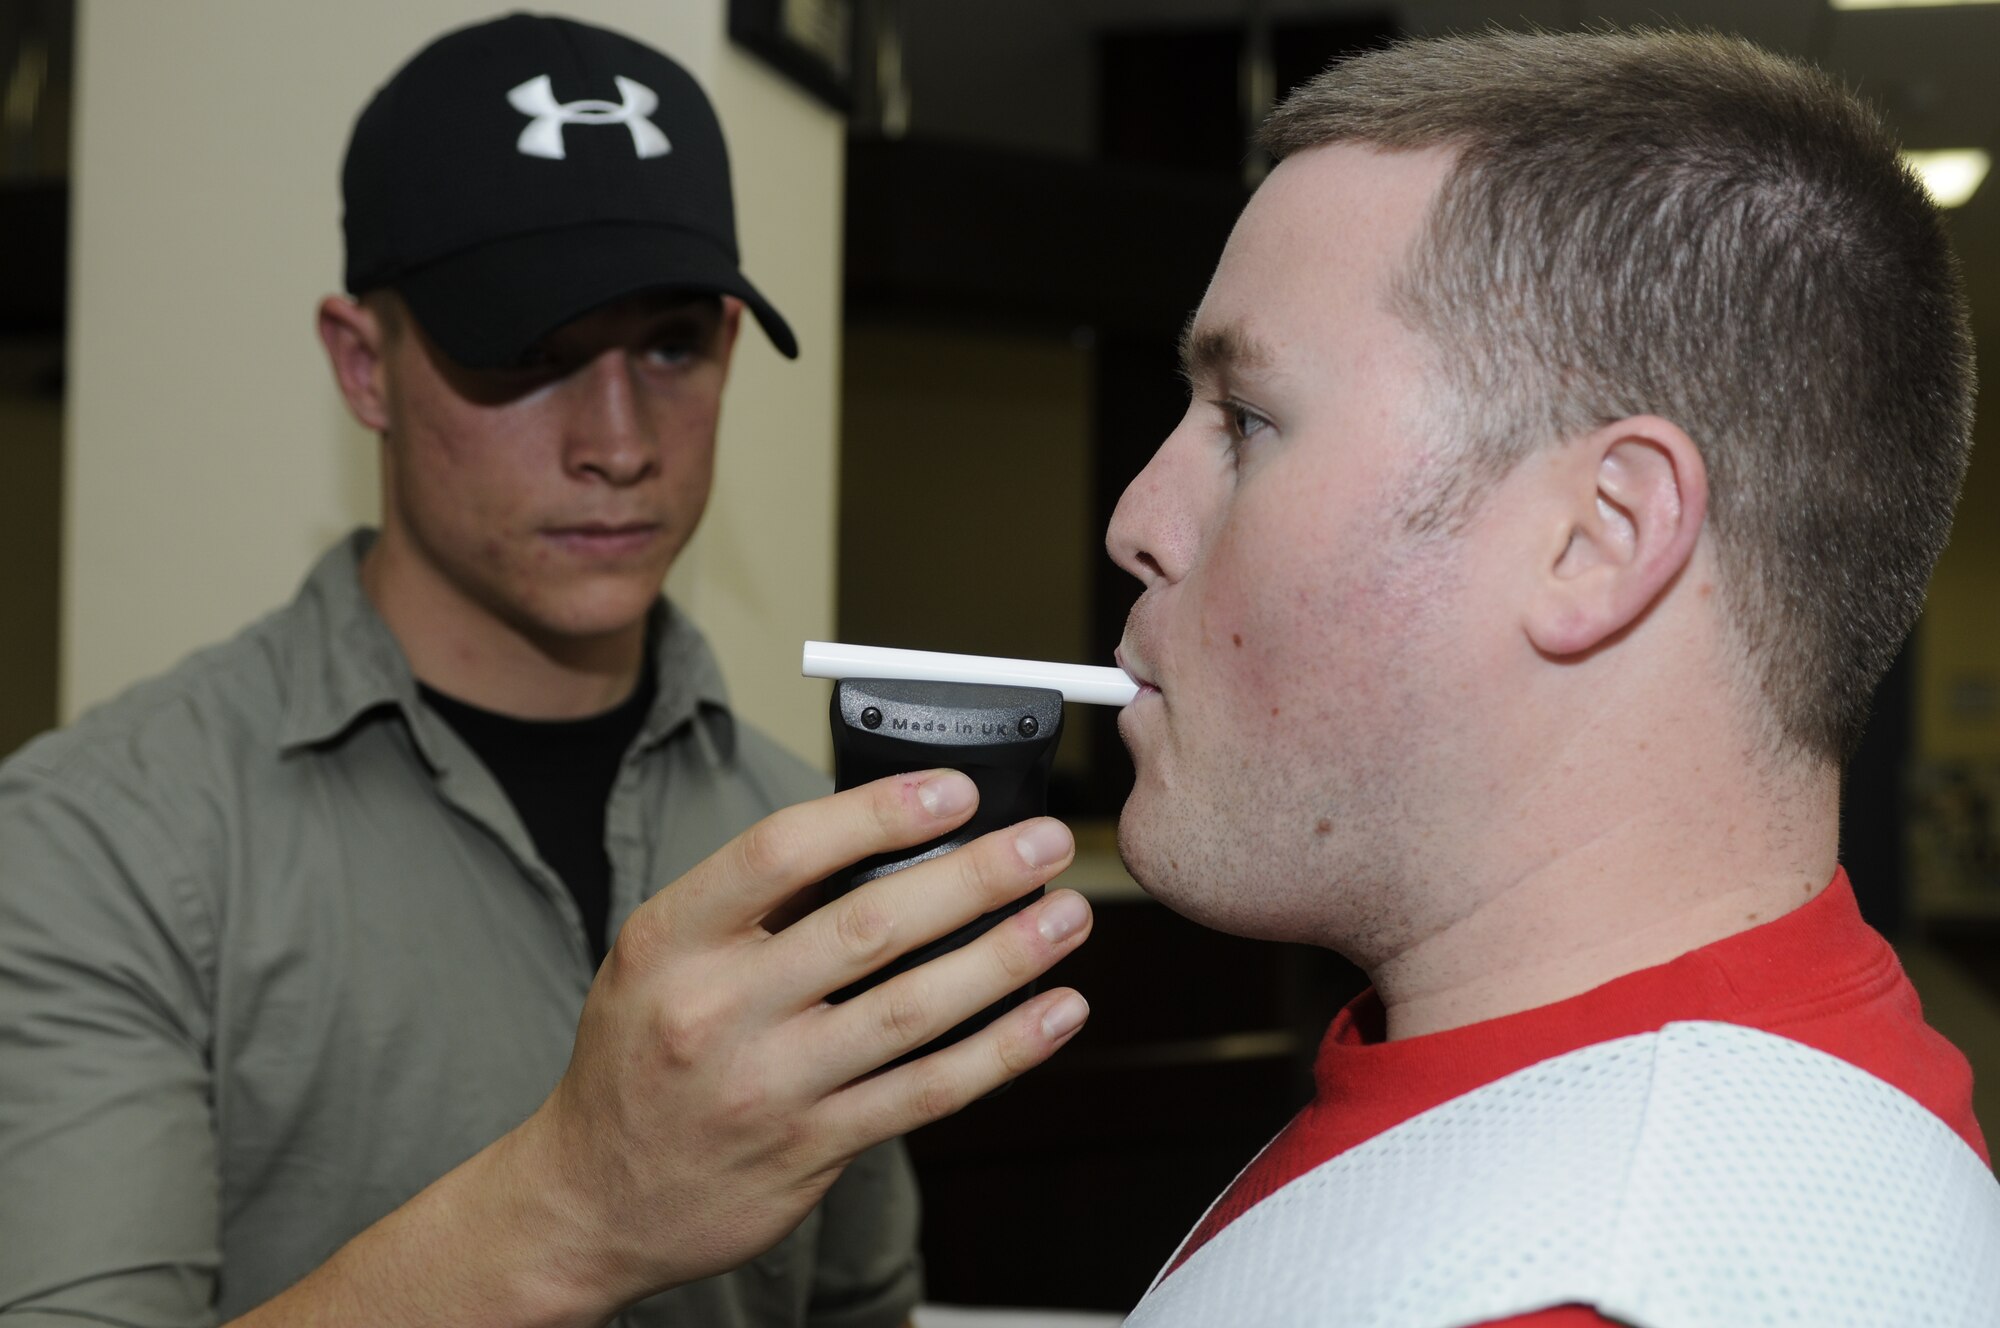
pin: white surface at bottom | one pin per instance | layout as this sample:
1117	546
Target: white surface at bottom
963	1316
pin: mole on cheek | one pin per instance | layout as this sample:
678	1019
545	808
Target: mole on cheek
1237	637
1325	827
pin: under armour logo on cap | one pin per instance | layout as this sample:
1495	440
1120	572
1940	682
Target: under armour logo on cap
543	136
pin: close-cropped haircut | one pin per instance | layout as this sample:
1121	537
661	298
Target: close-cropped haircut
1685	225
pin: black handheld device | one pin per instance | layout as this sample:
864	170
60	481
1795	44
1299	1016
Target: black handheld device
1003	738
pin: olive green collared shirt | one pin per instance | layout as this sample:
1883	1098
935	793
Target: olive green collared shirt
276	952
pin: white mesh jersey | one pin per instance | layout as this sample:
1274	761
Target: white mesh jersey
1706	1175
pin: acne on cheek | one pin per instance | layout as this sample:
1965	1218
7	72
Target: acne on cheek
1233	647
496	554
1223	629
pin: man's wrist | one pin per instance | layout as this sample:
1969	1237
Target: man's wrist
487	1244
567	1256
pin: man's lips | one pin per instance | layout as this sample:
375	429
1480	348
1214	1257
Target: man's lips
1136	673
604	538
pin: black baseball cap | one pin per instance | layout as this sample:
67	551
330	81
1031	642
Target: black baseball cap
519	173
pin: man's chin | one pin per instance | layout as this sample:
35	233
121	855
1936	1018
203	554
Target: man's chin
1165	872
1221	896
599	607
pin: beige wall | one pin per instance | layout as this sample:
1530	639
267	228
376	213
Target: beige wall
209	457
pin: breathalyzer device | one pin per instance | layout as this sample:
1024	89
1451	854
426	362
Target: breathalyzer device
995	720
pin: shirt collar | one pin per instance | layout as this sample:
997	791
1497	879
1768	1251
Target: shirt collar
347	667
688	684
345	662
1759	976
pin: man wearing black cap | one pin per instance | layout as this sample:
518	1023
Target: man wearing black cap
306	1013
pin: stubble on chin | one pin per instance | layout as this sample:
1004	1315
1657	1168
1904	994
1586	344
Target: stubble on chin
1186	857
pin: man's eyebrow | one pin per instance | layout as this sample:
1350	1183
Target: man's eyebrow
1218	351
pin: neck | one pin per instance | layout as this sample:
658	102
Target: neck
1589	886
461	648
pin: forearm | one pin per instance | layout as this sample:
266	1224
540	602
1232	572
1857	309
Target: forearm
486	1244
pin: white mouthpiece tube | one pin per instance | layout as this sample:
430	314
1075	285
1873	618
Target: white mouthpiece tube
1086	683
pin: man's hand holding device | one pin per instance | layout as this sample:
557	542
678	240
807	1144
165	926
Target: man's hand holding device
712	1070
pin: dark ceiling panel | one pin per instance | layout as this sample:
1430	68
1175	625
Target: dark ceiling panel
953	232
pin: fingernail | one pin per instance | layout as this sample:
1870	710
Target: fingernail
946	793
1064	1017
1062	914
1042	842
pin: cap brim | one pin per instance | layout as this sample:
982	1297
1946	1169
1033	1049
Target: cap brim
487	307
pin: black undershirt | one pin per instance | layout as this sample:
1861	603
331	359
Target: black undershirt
558	774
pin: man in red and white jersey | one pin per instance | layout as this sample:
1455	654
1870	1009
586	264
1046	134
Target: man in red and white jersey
1575	420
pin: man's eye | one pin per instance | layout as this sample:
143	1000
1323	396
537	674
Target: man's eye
1241	424
678	342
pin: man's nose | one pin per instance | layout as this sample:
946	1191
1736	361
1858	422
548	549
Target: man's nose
610	436
1150	534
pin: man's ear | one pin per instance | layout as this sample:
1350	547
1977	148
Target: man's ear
356	348
1630	500
731	328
